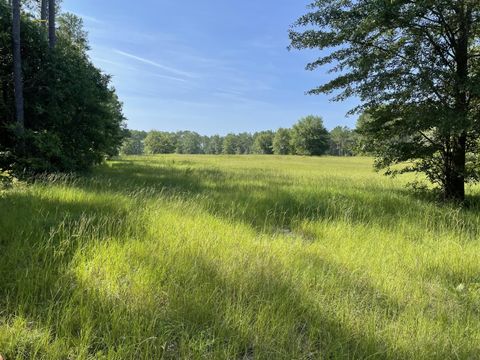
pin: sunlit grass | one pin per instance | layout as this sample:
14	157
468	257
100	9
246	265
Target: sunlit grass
248	257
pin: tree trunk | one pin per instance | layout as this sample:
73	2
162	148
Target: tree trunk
52	37
455	184
17	70
455	181
44	13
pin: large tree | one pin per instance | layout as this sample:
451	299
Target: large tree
309	136
416	67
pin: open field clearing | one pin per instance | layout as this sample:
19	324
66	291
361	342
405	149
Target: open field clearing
236	257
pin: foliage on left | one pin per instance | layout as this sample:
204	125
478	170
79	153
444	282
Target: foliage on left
73	117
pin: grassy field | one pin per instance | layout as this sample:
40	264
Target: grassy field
248	257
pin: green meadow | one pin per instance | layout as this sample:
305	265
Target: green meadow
236	257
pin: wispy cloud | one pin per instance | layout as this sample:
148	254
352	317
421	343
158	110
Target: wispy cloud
137	70
169	78
89	18
156	64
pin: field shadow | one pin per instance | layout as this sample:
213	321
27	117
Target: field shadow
257	314
32	232
38	239
271	202
201	309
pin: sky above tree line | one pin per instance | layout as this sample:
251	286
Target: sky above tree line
211	66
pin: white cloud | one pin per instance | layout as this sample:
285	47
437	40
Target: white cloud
156	64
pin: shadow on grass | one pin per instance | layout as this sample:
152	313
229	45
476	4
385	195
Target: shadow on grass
255	315
271	202
258	313
38	239
37	252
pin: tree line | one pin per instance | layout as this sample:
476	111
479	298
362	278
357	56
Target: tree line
307	137
58	112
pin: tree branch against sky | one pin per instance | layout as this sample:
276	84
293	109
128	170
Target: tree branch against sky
415	67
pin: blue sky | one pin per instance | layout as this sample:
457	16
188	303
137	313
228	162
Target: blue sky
211	66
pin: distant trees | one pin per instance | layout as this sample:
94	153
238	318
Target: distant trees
416	67
244	143
307	137
134	143
238	144
230	145
310	137
188	142
281	144
342	141
263	142
214	145
159	142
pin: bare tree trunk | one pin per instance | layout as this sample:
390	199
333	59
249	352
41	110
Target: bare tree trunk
52	38
17	69
44	12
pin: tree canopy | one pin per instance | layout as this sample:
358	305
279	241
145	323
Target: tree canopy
310	137
307	137
73	117
415	65
282	142
263	142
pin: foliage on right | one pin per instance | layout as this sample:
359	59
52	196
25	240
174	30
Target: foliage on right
415	65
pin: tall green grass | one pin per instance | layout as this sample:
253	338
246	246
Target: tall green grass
248	257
